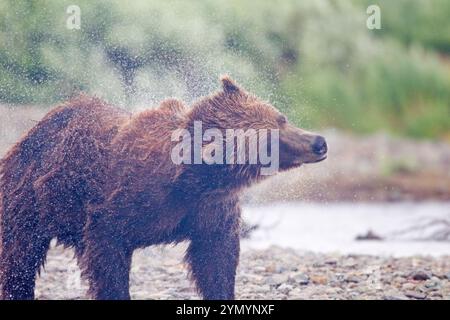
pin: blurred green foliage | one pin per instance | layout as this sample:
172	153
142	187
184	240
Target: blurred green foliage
314	59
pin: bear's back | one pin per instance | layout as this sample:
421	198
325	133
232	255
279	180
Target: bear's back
149	131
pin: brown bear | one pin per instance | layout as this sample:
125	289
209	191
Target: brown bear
103	181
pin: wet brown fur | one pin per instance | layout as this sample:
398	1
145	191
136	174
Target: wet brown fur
101	180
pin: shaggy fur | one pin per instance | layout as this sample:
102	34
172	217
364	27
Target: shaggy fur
101	180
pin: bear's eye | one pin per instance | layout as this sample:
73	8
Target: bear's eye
282	119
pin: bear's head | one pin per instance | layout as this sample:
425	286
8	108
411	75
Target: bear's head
247	135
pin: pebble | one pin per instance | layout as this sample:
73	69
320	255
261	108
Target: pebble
300	278
415	295
280	269
352	279
318	264
431	284
420	275
394	297
259	269
435	294
399	280
277	279
409	286
319	279
350	263
331	262
284	288
261	288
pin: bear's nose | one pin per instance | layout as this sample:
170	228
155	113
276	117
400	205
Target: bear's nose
319	146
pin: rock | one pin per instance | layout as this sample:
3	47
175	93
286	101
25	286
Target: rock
435	279
260	288
355	294
350	263
420	275
252	278
431	284
280	269
409	286
394	297
338	277
331	262
415	295
318	265
319	279
300	278
352	279
400	274
277	279
160	296
270	268
399	280
284	288
298	294
435	294
297	297
370	235
331	291
259	269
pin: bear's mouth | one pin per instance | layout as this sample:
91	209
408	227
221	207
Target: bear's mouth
318	159
295	163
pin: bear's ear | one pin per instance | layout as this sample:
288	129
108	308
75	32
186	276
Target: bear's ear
228	85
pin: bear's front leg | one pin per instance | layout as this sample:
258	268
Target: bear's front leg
213	258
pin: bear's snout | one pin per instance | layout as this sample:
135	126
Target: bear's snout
319	146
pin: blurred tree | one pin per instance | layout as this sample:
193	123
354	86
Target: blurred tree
314	59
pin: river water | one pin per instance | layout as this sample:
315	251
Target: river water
332	227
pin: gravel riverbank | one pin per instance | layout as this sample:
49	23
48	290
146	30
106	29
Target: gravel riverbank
273	273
